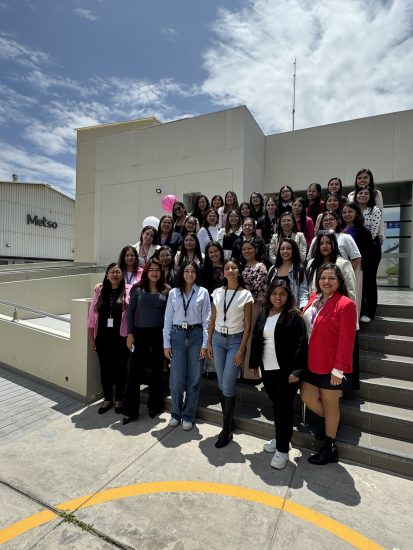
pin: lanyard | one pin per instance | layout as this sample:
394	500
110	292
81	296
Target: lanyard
316	309
186	305
129	277
226	307
209	234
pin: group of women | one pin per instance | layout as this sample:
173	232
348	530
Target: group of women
258	289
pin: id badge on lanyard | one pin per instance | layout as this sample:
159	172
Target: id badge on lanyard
110	322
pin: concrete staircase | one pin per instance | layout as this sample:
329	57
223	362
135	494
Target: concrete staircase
377	420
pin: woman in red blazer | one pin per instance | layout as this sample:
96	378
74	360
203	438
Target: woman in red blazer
331	321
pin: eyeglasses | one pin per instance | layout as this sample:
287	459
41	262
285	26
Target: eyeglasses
115	273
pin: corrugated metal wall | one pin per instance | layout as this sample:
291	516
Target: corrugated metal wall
26	240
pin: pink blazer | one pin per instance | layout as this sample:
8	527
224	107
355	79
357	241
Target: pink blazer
332	338
93	317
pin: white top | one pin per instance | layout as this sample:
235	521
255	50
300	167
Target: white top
203	236
235	313
269	357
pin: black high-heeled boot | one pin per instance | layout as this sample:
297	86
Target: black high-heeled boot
228	410
327	454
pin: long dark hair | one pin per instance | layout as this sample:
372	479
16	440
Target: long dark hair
298	269
280	230
244	203
122	262
197	211
358	220
161	249
340	203
168	238
174	216
184	230
280	206
208	211
290	304
241	282
372	185
260	212
180	281
343	199
303	215
314	209
252	243
217	197
271	198
318	258
144	282
342	287
372	201
155	233
106	289
335	215
184	253
234	206
228	225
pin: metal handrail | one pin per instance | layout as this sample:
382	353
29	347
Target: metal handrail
63	267
32	310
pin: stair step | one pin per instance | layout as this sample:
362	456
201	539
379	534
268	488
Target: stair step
356	445
386	343
390	391
400	326
384	364
377	418
395	310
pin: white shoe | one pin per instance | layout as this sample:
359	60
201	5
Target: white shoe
186	425
174	422
279	460
365	319
271	446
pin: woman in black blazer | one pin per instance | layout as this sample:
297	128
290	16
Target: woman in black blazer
279	348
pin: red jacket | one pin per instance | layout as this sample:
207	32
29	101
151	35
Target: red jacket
332	338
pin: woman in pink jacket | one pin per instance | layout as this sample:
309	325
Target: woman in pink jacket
107	332
331	319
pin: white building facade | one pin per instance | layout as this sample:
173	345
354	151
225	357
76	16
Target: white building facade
36	223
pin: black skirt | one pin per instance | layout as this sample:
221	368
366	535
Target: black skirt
323	381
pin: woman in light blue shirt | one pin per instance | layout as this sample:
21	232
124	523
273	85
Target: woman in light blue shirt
185	341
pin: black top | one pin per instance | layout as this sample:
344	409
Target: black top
268	227
290	341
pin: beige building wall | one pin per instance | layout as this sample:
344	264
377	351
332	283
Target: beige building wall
207	154
382	143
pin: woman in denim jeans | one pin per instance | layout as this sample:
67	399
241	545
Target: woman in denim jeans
185	337
229	331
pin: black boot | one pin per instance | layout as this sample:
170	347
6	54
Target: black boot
327	454
228	410
321	434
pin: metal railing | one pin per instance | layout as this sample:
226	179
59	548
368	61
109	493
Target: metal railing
94	268
38	312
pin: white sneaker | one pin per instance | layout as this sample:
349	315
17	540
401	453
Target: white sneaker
279	460
174	422
365	319
186	425
271	446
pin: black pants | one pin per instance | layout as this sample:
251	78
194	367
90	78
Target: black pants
148	353
113	359
281	394
369	294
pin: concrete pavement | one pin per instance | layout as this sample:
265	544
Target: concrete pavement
148	486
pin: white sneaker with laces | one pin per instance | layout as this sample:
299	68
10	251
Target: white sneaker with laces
186	425
271	446
279	460
174	422
365	319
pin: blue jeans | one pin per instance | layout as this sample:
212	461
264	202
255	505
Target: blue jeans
225	348
185	373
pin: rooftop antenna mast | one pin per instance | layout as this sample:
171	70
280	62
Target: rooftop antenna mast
294	79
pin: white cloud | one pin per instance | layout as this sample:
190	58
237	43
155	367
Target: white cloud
353	59
11	50
170	33
86	14
32	167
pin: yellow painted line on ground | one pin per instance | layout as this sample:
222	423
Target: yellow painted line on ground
302	512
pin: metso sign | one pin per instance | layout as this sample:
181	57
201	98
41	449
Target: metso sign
44	222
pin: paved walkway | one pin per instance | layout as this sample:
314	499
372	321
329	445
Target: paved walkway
72	479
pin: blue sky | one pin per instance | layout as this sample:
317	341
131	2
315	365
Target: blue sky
66	64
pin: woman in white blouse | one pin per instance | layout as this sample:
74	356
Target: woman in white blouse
209	231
